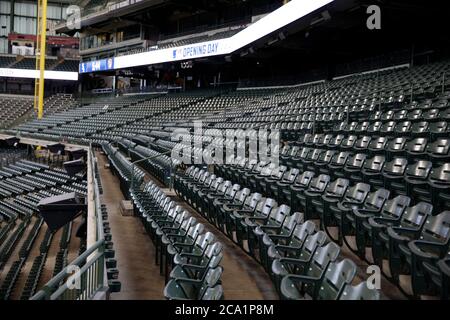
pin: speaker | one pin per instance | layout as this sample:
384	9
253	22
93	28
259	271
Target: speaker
57	211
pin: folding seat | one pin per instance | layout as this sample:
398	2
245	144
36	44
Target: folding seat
218	199
238	173
439	183
203	289
321	203
340	128
416	247
289	246
325	141
403	129
353	167
302	252
336	142
398	233
443	281
401	115
263	209
261	167
388	129
327	284
388	116
301	183
351	127
218	204
359	292
440	104
263	182
234	211
415	115
348	143
275	219
416	149
317	187
438	129
307	138
297	161
200	194
374	129
372	171
375	116
287	159
416	178
354	198
316	139
431	115
361	129
321	165
393	176
396	148
445	115
193	266
439	151
193	243
362	144
209	196
426	253
276	188
309	164
337	164
271	235
377	146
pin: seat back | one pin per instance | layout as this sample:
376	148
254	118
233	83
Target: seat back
326	157
359	292
301	233
378	144
340	159
358	193
320	183
397	167
211	279
304	179
396	207
337	277
417	145
291	175
356	161
441	147
349	142
363	143
414	217
419	170
437	228
338	188
397	144
377	199
375	164
441	175
311	244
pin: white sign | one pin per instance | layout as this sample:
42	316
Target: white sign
34	74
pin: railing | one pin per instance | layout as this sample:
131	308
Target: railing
84	277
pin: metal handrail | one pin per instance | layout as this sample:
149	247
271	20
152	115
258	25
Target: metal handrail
89	266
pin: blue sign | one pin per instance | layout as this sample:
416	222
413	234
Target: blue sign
99	65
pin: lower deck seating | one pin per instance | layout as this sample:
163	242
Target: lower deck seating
188	256
301	260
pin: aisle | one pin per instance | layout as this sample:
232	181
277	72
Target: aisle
138	273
